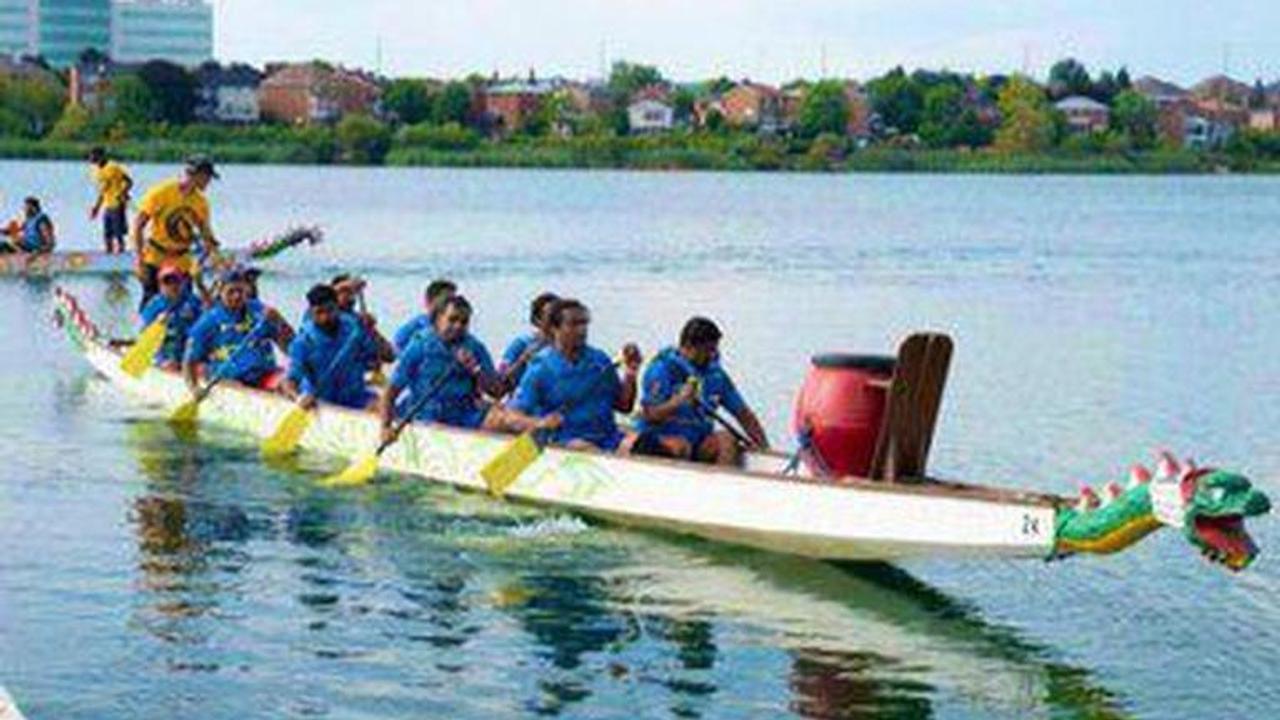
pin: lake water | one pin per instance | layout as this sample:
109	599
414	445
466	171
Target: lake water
1096	319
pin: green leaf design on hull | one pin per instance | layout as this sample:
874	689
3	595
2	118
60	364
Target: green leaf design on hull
1208	505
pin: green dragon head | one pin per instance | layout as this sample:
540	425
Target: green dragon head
1210	506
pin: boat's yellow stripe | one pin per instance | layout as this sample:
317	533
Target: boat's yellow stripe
1114	541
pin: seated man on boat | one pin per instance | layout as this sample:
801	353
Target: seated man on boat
180	307
33	234
436	293
329	356
683	389
446	372
350	290
577	386
171	217
233	340
522	350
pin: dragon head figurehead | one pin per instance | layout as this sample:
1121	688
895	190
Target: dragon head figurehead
1210	506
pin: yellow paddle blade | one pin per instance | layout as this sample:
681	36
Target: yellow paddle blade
186	413
506	467
357	473
288	433
143	352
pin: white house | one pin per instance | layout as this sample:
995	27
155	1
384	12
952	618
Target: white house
227	95
649	115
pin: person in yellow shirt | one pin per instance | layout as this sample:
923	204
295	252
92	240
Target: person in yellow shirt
114	184
172	217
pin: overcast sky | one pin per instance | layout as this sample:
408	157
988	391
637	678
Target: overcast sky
769	40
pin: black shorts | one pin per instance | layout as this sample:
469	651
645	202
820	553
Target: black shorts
114	225
150	284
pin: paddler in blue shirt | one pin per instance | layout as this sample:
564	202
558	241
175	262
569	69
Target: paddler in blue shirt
522	350
577	387
180	308
33	234
436	293
452	372
218	339
350	290
329	356
682	387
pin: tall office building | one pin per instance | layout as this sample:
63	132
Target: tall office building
180	31
66	28
17	27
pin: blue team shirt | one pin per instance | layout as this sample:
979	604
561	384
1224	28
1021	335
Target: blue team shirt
517	349
216	335
182	315
582	392
455	400
332	367
410	330
667	372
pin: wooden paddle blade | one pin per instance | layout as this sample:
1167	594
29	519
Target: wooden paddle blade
186	413
143	352
357	473
287	434
506	467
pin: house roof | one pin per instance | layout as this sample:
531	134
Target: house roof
522	87
234	75
1221	86
649	103
1081	103
1154	87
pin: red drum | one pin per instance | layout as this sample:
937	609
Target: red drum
839	410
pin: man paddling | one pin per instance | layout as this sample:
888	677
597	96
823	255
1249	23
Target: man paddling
451	371
180	307
329	356
233	340
114	183
521	350
171	217
350	293
683	387
576	384
436	293
33	235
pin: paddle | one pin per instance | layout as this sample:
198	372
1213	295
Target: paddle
510	463
185	414
362	470
289	432
141	356
737	434
376	377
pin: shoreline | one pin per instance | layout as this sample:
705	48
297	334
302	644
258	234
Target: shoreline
643	154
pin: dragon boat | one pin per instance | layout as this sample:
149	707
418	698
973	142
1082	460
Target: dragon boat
97	262
896	511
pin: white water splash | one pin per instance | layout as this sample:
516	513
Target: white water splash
549	527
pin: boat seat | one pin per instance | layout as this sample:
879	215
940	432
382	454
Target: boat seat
911	408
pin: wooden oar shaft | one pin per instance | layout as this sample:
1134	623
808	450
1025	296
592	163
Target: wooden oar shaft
737	434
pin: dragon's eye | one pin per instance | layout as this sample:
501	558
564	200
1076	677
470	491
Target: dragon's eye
1217	494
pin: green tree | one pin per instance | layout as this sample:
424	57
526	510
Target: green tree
408	99
31	105
130	102
173	89
1027	123
74	124
453	104
898	99
626	78
1069	77
943	105
825	109
682	102
1136	117
362	139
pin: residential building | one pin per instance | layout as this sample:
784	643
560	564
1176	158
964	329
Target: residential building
1159	91
1084	114
1265	119
66	28
1223	89
315	92
651	110
511	104
180	31
227	94
89	80
753	105
706	107
17	27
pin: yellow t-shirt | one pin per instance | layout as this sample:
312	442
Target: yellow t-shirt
112	183
176	218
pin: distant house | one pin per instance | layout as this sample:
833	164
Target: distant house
862	120
227	94
1223	89
1084	114
511	104
1265	119
650	110
706	107
753	106
315	92
1158	91
89	81
1198	124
